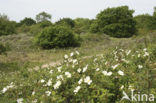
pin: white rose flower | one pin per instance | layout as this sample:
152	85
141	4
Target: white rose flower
77	52
59	69
20	100
71	54
97	69
80	81
68	74
115	66
122	87
109	73
79	70
60	77
146	54
85	68
74	61
34	101
33	93
49	83
120	72
88	80
66	56
77	89
42	81
51	72
128	52
4	90
58	83
48	93
140	66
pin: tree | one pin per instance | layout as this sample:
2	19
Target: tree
6	27
145	21
82	25
27	21
117	22
94	27
66	22
57	37
43	16
3	49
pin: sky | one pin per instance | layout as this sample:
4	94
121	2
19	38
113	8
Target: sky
19	9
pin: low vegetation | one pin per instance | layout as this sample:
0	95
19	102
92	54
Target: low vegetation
78	60
57	37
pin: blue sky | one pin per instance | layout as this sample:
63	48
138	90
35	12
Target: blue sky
19	9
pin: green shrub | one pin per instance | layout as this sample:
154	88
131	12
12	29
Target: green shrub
6	27
66	22
145	21
117	22
27	21
3	49
43	16
57	37
94	27
35	29
98	79
23	29
82	25
44	24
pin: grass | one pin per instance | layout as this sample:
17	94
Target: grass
24	51
23	54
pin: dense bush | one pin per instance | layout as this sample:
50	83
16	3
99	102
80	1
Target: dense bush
57	37
82	25
66	22
43	16
27	21
3	49
23	29
117	22
145	21
94	27
44	24
6	27
99	79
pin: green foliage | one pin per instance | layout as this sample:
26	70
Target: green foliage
57	36
66	22
82	25
27	21
145	21
6	27
35	29
99	79
117	22
94	27
23	29
3	49
43	16
45	24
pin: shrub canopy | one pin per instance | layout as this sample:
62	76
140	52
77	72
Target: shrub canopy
6	27
3	49
66	22
117	22
43	16
27	21
57	37
82	25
